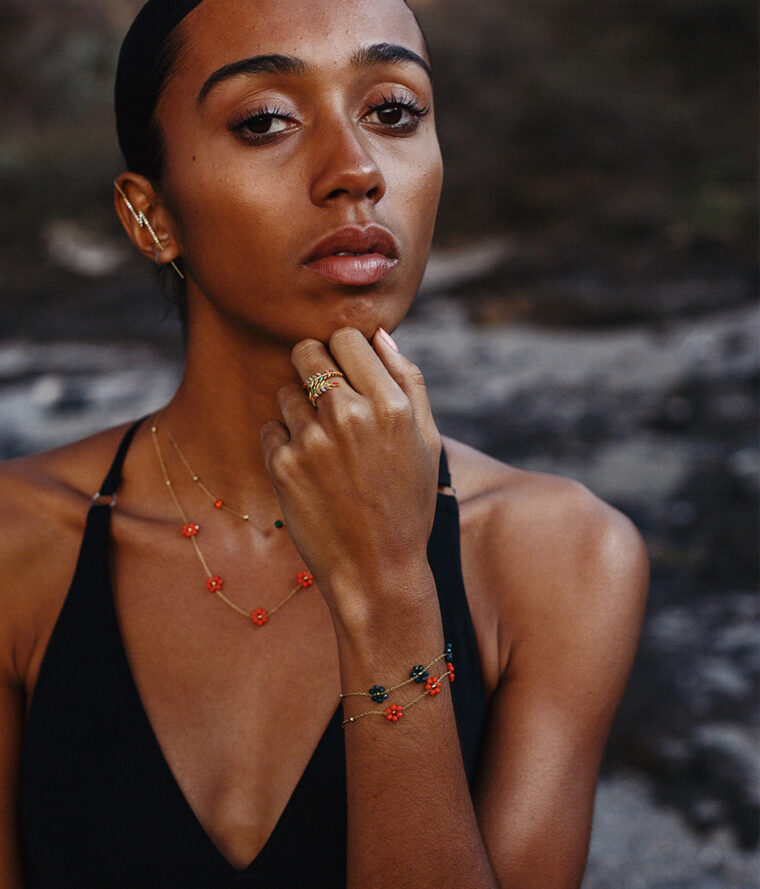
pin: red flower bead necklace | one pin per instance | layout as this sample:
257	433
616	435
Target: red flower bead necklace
217	501
190	530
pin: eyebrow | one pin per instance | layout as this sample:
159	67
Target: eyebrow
385	53
377	54
269	64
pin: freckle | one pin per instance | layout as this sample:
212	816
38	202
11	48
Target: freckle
193	158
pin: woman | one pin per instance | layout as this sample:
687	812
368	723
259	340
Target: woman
283	160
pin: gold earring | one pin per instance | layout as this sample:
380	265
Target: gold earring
142	221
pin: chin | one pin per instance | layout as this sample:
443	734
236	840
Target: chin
366	314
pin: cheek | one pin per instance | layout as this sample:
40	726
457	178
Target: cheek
420	197
430	188
229	221
424	189
431	172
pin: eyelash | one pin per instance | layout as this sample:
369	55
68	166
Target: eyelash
407	104
239	123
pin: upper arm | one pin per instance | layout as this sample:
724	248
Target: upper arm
577	591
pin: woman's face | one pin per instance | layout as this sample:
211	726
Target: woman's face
317	144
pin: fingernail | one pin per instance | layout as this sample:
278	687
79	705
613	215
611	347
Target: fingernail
388	338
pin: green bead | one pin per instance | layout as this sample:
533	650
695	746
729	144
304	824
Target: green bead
279	523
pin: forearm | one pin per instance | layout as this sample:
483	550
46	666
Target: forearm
411	820
356	480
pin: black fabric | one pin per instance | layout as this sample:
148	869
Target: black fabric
99	806
113	478
140	73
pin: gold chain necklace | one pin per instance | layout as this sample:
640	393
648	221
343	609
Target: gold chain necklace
217	501
214	582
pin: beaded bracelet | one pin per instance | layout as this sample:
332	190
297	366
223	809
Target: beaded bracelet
417	674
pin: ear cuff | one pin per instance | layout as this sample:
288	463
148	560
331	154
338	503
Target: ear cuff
141	219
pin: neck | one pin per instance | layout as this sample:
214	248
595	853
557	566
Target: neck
228	391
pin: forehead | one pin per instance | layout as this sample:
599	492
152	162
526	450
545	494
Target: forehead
321	32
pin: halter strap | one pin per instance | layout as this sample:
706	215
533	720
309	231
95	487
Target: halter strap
444	476
113	478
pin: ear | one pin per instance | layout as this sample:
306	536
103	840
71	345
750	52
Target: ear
145	219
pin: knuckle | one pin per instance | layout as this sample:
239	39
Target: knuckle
343	336
415	375
398	408
279	462
352	413
304	350
312	437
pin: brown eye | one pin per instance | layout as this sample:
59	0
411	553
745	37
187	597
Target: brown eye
262	126
265	124
396	116
390	115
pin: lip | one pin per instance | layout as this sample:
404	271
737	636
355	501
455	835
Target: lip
374	254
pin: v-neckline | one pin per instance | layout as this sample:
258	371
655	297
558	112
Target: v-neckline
332	728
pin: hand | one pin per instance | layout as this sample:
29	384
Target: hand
357	477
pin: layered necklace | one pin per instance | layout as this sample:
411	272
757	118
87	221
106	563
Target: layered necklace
190	530
217	501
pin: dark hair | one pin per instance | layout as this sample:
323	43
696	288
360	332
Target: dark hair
148	55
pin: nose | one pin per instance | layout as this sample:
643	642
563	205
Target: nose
346	168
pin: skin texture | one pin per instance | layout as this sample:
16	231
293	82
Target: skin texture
555	579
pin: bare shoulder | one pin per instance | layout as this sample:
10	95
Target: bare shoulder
545	550
52	488
45	498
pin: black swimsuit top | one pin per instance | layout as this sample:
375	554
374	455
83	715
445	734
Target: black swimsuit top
98	804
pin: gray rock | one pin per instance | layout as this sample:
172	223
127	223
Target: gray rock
638	844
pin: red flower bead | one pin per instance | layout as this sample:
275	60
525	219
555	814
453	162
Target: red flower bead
394	712
259	617
214	583
450	672
305	579
190	529
433	686
218	503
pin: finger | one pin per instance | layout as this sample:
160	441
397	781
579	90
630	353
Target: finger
361	364
273	436
410	380
310	358
295	408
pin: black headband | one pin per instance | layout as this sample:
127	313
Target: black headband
140	74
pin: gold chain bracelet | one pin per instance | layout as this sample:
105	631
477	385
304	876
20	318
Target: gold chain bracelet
418	674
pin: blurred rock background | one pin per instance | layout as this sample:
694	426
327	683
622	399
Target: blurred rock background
589	310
